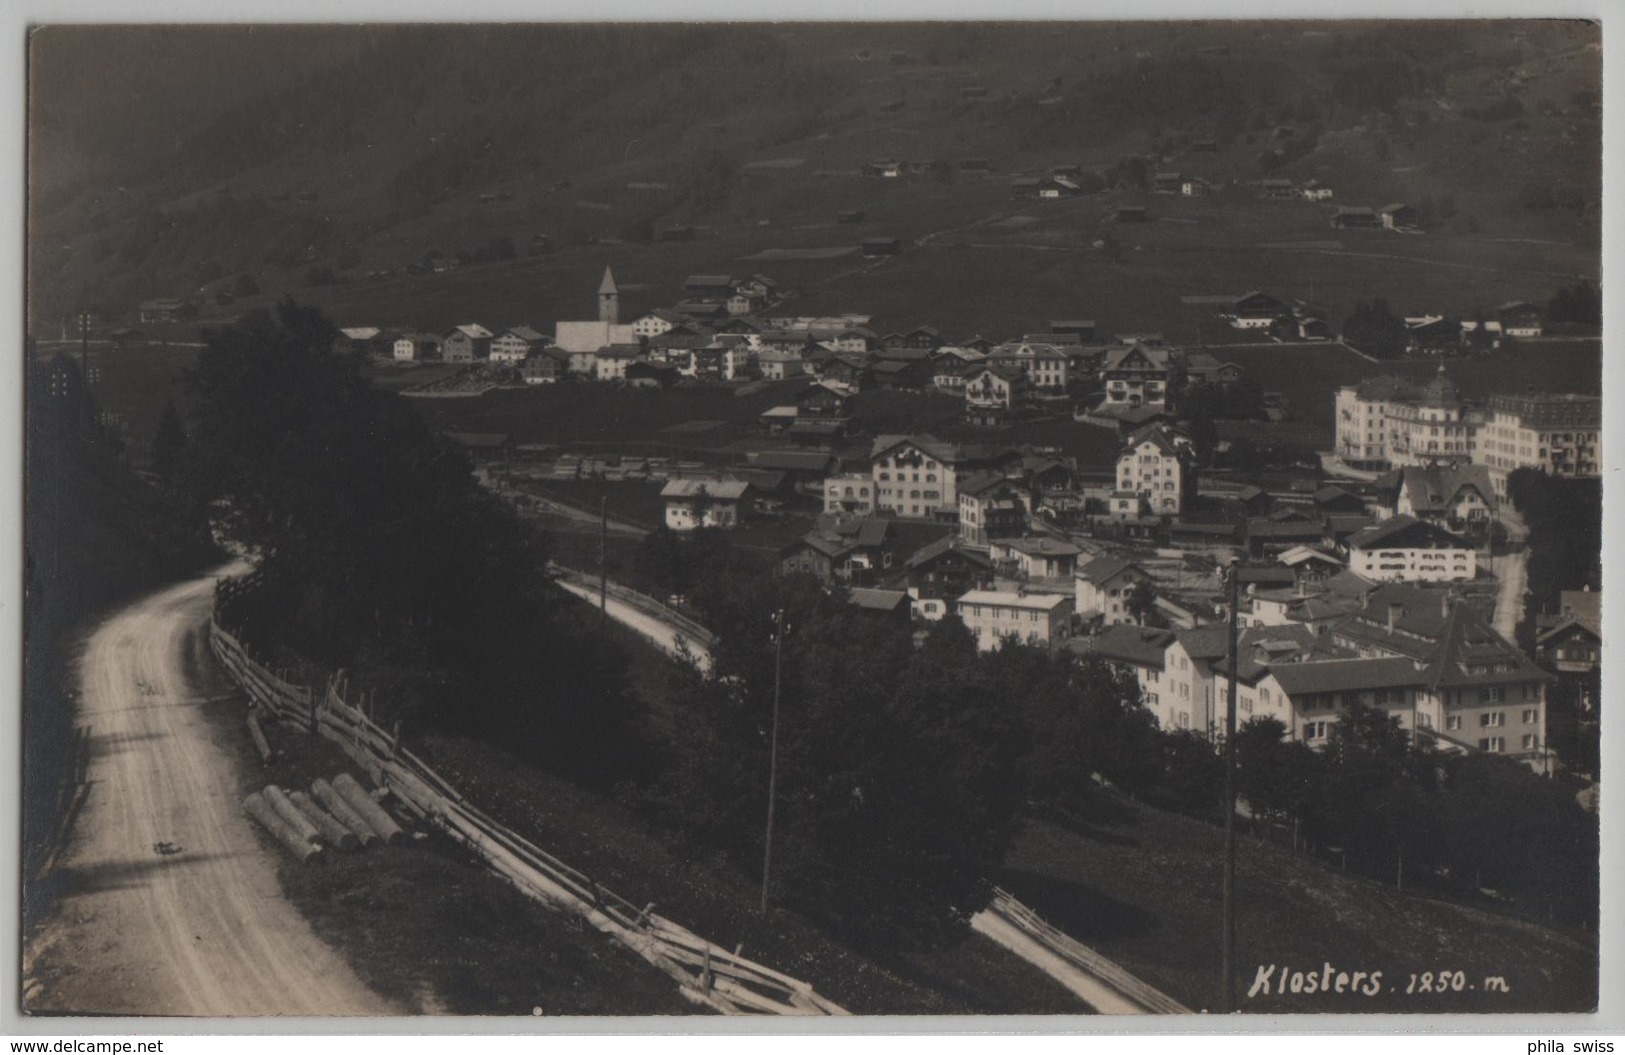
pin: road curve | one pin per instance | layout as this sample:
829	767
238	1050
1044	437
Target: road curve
201	930
663	635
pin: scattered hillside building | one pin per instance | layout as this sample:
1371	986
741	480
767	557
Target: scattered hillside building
702	502
466	343
516	344
1159	465
1102	586
944	571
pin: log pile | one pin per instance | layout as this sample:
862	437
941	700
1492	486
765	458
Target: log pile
708	974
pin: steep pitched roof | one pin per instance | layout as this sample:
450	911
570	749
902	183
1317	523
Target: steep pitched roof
1406	531
1470	653
1142	646
690	488
1435	489
947	544
1104	569
608	283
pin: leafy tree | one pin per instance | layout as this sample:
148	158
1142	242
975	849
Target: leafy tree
380	552
1375	329
168	442
897	786
1141	603
1581	302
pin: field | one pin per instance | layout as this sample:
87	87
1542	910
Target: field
1143	887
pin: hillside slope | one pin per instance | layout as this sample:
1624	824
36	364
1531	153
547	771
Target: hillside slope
219	151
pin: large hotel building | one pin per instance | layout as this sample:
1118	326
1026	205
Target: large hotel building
1386	423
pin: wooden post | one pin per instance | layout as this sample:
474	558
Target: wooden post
1227	966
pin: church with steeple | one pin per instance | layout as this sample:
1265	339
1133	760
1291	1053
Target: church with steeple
592	336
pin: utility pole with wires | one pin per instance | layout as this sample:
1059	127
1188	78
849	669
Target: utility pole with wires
1227	966
773	753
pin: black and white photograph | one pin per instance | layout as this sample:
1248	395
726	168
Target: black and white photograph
811	519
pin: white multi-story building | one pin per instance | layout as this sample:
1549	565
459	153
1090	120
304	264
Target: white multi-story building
995	616
1044	365
1404	549
1556	433
1157	464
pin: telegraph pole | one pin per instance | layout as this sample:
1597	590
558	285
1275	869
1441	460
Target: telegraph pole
773	754
84	346
1227	969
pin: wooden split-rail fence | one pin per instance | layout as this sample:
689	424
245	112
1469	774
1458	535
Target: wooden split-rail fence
706	973
1151	999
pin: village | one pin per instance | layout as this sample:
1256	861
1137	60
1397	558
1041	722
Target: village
1392	573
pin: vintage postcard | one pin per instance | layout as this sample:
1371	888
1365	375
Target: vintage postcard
813	519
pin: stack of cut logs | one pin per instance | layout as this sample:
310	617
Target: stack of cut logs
338	815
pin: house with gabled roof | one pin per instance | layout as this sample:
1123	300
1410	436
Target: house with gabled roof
1159	464
944	571
1459	498
992	392
1405	549
1136	375
517	343
696	502
992	506
1101	588
918	475
466	343
842	548
1036	557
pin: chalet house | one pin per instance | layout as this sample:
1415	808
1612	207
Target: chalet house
881	607
1045	365
1431	334
991	392
1137	375
706	363
975	168
717	287
807	470
992	506
882	245
828	401
1255	311
1102	587
1360	216
1195	187
1277	188
1314	190
1519	319
978	343
1457	498
1398	215
610	363
696	503
996	616
884	169
842	549
896	373
1167	182
920	338
943	572
702	309
1036	557
778	365
1281	530
1201	368
1570	643
466	343
545	367
416	347
1404	549
951	366
517	344
657	322
850	369
364	340
856	340
849	493
1333	499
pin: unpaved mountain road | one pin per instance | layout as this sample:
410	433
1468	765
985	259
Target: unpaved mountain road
169	900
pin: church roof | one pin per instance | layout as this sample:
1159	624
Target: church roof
608	285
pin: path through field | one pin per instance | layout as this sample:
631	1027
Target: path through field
170	903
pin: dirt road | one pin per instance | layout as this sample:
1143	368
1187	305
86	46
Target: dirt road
170	903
